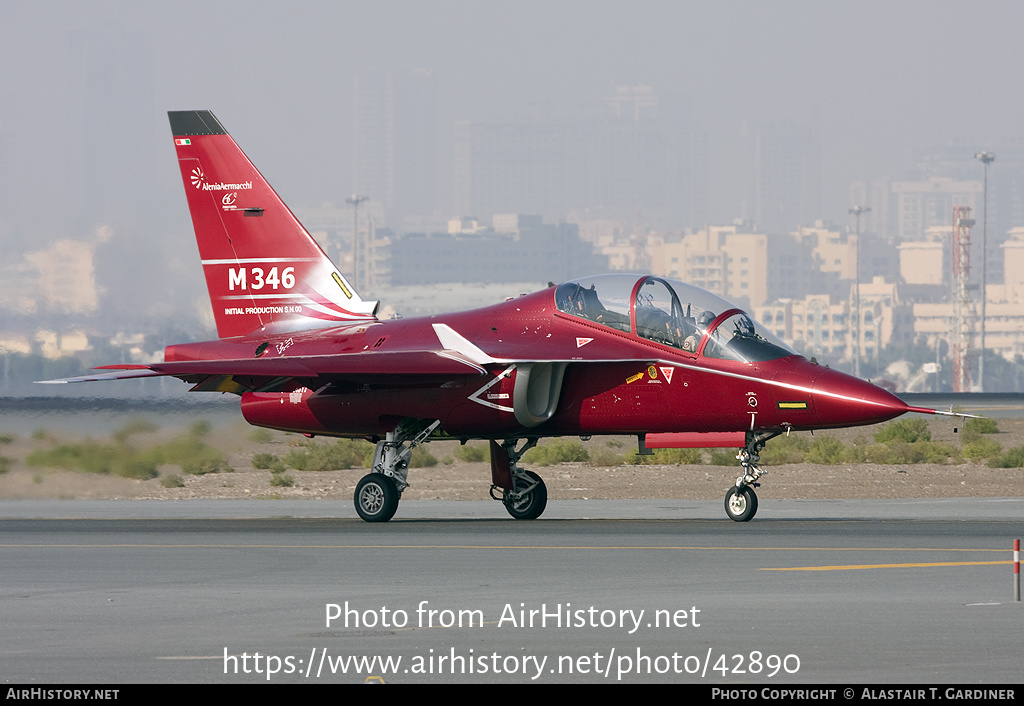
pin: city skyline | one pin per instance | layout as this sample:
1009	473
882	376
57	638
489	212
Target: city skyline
678	116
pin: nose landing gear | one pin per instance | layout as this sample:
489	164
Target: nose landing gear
741	500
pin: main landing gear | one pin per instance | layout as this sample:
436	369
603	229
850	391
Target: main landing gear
378	493
522	492
741	500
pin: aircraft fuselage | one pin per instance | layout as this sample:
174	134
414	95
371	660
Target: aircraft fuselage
603	389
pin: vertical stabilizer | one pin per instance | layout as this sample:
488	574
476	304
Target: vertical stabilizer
263	269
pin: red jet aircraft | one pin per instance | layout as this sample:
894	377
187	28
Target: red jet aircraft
610	354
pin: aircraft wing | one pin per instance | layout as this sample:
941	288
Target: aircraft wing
543	349
397	363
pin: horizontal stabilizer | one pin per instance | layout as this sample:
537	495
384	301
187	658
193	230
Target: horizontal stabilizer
129	374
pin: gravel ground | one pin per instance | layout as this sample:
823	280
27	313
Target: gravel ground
457	480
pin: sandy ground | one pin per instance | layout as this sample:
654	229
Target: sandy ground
456	480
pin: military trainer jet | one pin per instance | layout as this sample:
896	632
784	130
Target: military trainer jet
617	354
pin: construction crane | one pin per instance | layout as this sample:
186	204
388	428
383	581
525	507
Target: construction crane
961	329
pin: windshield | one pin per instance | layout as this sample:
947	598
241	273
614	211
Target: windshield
738	337
607	305
671	313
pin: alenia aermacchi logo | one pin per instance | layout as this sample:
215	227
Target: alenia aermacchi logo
199	181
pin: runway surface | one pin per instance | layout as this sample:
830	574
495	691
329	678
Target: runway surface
634	592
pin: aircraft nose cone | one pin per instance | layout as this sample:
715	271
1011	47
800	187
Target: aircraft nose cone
843	400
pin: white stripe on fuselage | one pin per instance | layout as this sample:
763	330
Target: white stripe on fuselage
259	260
698	368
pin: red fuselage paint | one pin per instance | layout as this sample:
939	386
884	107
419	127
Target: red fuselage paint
605	389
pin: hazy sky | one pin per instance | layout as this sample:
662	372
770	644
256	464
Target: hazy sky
876	77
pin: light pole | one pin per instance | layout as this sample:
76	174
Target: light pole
856	211
985	158
355	200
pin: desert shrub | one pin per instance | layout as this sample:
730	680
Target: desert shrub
200	428
827	450
1011	458
7	438
281	480
984	425
5	464
263	461
682	457
602	457
195	456
343	453
785	449
88	456
136	467
723	457
268	461
666	457
260	436
981	448
204	460
421	458
136	426
172	480
95	457
901	452
471	454
907	430
909	441
856	453
556	451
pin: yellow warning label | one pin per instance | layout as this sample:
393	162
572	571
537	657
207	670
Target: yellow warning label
341	283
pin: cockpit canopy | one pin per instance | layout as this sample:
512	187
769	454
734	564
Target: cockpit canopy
671	313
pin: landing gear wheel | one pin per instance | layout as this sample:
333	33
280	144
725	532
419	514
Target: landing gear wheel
531	504
741	503
376	498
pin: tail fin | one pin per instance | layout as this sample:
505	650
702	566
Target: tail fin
263	269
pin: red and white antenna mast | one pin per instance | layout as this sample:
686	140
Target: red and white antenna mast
961	333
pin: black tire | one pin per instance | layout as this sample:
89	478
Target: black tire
741	503
531	505
376	498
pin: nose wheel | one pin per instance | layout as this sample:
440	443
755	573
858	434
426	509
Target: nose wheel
741	503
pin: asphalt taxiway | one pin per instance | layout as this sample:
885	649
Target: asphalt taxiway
843	591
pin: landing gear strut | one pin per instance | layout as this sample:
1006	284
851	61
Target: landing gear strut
741	500
522	492
377	494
